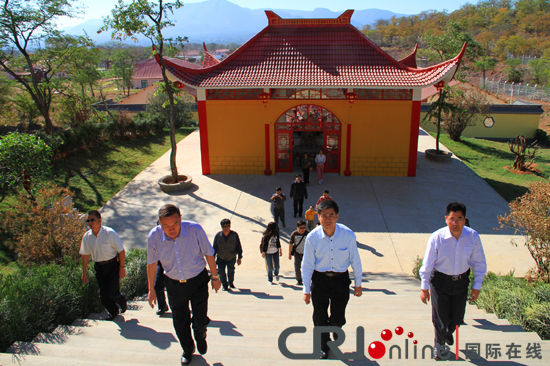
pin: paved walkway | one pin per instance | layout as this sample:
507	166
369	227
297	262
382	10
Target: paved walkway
392	216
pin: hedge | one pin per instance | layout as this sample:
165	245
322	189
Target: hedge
39	298
519	301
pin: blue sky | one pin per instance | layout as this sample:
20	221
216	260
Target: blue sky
95	9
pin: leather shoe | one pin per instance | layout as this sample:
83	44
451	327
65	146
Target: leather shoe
324	355
162	311
123	306
449	339
231	285
186	359
202	346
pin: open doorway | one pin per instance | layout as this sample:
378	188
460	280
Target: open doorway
307	129
305	142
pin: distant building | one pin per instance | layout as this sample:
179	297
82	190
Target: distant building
148	72
301	85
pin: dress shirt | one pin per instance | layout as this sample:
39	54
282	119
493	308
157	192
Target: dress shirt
448	255
182	258
334	253
103	247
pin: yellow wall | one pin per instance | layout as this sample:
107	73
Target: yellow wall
380	134
507	125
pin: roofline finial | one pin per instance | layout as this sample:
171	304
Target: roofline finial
274	19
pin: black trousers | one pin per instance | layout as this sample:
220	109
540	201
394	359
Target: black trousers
306	175
108	279
160	286
330	292
229	277
298	206
279	213
298	266
194	291
448	303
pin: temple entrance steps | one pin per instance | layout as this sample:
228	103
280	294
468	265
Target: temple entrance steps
246	324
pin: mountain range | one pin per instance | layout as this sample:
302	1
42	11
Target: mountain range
222	21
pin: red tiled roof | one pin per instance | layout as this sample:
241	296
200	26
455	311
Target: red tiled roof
312	53
209	59
410	60
150	69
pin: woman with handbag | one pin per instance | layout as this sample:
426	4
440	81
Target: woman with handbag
270	248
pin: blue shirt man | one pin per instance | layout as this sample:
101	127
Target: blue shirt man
450	253
181	247
328	252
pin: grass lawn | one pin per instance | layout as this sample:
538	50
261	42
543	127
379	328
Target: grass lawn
489	160
96	175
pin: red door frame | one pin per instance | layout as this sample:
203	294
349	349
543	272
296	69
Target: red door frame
306	127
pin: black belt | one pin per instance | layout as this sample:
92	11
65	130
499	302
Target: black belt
186	280
101	263
453	278
332	274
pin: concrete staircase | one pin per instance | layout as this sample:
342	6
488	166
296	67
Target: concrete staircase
247	322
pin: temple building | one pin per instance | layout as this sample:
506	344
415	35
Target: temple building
301	85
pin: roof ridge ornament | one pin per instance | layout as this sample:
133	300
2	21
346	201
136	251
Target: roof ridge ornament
275	19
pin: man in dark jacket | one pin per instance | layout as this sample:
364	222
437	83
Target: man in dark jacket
298	192
228	249
278	206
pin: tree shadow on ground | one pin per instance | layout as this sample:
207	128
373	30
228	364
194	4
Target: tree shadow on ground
508	191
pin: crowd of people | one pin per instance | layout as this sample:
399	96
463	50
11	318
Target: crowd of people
322	250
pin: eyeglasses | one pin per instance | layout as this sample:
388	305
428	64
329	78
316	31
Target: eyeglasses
91	220
227	225
301	227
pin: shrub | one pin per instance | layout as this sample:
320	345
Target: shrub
47	229
24	161
416	268
135	282
469	106
519	301
158	108
541	137
537	319
530	215
38	298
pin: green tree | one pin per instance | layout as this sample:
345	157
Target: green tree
28	42
438	109
513	70
449	43
123	68
150	18
540	69
157	108
24	161
485	64
82	67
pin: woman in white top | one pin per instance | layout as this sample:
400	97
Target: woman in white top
271	250
320	160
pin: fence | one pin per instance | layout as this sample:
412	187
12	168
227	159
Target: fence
512	91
